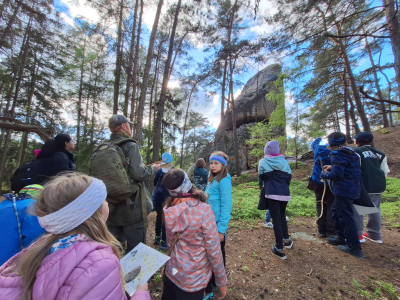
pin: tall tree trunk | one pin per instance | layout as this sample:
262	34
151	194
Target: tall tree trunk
235	139
346	108
146	75
118	62
3	7
223	119
151	108
378	89
136	63
24	140
393	26
130	62
80	95
163	93
185	123
7	30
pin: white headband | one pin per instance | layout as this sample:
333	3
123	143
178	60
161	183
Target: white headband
78	211
183	188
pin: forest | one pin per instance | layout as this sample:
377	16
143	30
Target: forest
163	63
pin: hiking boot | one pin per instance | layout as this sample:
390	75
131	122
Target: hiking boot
336	241
288	243
163	245
348	250
365	235
278	253
268	225
361	239
157	240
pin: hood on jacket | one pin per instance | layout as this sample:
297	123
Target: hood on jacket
277	163
322	151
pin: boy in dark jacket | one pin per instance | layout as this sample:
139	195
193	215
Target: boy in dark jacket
159	196
344	176
374	169
325	224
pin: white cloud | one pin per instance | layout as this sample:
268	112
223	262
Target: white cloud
80	8
238	91
173	84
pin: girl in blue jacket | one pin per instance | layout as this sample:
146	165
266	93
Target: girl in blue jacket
275	172
219	189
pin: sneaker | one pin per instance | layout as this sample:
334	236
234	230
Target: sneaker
208	296
268	225
157	240
365	235
288	244
336	241
277	253
163	245
348	250
361	238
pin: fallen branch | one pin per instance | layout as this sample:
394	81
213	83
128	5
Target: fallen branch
251	187
44	133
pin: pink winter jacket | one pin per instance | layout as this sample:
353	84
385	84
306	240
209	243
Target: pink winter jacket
84	270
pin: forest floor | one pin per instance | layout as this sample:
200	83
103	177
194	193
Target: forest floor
314	269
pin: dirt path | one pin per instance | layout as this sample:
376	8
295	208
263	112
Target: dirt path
312	271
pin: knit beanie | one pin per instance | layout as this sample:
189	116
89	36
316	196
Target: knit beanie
336	138
272	147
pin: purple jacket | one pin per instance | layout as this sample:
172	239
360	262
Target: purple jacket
84	270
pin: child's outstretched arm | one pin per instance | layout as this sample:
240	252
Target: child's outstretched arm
315	144
213	247
225	191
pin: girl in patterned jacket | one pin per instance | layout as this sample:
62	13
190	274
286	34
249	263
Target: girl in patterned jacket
78	258
192	239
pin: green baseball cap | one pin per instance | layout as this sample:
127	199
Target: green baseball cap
118	120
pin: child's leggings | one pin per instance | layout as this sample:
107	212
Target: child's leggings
278	214
160	227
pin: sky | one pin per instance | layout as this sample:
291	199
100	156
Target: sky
71	11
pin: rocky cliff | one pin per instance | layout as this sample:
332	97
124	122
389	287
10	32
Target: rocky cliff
251	107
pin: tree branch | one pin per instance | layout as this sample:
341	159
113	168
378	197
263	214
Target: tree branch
361	88
352	35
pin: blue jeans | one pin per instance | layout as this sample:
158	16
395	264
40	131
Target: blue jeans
343	217
267	216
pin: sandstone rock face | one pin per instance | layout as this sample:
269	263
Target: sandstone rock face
251	106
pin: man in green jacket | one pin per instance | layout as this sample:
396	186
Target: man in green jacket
126	221
374	169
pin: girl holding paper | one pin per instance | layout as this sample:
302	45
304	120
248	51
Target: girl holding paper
78	258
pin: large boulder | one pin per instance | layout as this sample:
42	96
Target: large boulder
251	106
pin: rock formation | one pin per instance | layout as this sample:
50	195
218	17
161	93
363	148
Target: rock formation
251	107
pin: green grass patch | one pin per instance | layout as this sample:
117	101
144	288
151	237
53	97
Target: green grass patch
246	197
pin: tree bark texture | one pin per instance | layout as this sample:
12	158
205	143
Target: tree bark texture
130	61
393	27
118	62
163	93
235	140
146	75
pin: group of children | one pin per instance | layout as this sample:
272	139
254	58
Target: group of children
79	251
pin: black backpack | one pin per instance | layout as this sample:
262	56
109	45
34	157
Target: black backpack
29	173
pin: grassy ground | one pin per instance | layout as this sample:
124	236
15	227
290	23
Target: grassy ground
246	197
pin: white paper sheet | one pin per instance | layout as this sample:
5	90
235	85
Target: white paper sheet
140	264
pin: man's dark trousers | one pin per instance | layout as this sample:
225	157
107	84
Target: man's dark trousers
343	217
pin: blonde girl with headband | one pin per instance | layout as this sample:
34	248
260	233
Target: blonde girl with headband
77	258
219	190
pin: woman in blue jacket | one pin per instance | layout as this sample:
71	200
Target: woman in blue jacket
275	172
219	191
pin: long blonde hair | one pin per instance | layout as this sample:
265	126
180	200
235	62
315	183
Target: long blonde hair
56	194
224	171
